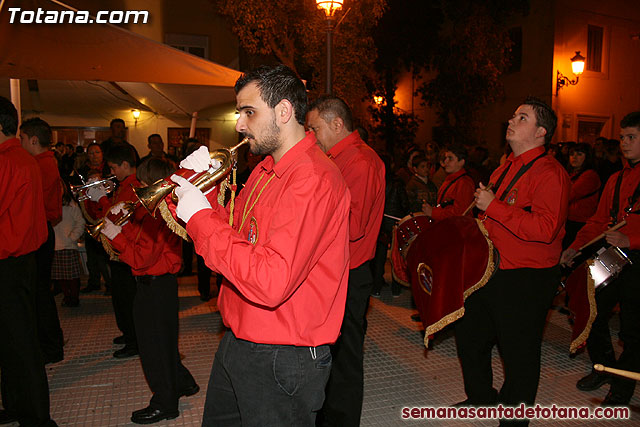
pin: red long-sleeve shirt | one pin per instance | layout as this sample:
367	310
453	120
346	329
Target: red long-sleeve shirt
600	221
528	226
583	198
289	264
363	171
149	247
23	224
460	191
51	186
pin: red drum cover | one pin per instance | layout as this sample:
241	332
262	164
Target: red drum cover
582	304
446	263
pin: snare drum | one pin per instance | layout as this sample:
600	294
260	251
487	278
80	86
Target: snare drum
607	265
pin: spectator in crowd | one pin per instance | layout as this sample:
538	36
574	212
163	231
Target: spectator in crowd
611	162
66	259
156	149
420	189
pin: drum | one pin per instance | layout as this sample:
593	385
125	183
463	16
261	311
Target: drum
404	233
581	285
447	262
607	265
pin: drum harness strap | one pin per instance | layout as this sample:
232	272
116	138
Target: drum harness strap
441	202
616	200
515	179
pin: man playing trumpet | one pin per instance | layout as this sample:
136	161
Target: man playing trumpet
286	258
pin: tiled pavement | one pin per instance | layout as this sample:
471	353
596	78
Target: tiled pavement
91	388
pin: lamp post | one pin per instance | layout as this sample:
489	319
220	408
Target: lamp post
577	66
329	7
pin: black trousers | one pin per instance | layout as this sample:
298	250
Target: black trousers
123	293
49	330
155	312
204	277
626	291
25	390
344	392
97	263
510	309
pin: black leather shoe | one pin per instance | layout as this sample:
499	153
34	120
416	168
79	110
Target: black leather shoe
149	415
416	317
593	381
615	399
126	351
7	417
189	391
119	340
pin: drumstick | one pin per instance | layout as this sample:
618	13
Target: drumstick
466	211
614	228
393	217
626	374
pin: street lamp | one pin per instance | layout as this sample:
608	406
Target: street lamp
577	66
329	7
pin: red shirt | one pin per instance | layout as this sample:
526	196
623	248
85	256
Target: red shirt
51	186
23	225
528	226
600	221
363	171
289	264
149	247
583	198
459	188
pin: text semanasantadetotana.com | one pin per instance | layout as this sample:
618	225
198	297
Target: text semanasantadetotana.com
515	413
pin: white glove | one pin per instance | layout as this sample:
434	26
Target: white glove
110	229
96	193
198	161
117	208
190	199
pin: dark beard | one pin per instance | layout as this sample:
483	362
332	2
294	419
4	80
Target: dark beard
270	141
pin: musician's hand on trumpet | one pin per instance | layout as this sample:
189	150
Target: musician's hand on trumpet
200	161
190	199
567	257
110	230
96	193
483	197
617	238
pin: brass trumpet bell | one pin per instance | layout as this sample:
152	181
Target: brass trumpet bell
151	196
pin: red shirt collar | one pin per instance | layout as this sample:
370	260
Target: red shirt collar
335	151
527	156
10	143
455	175
290	156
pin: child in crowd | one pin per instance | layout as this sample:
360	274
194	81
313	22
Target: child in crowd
420	188
66	262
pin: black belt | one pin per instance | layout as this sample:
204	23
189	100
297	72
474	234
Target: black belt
147	279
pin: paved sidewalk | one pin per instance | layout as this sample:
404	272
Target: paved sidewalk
91	388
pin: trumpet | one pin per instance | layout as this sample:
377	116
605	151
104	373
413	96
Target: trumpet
118	219
80	191
151	196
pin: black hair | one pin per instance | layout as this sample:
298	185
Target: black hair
119	153
153	169
587	150
631	120
116	121
38	128
460	151
8	117
276	83
545	116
